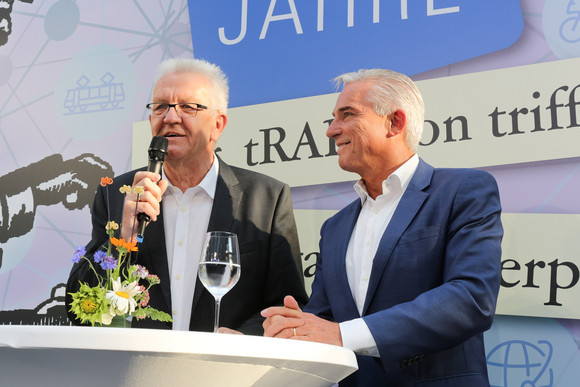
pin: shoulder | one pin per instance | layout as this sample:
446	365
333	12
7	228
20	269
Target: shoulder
249	178
119	181
463	176
428	176
461	185
127	177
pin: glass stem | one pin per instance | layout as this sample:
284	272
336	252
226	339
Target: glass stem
216	323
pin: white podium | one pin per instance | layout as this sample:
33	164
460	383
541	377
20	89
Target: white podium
85	356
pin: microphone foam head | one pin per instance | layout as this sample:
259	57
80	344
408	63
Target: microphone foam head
158	148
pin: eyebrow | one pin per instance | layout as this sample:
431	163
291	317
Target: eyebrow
343	109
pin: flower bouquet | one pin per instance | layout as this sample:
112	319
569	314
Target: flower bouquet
119	293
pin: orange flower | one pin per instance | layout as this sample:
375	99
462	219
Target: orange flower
106	181
123	246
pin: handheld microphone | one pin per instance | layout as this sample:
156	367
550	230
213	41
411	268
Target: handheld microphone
157	154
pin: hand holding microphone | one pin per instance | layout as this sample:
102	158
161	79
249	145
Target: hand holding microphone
149	205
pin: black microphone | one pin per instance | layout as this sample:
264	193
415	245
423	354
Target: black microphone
157	154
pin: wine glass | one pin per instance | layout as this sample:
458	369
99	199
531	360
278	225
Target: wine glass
219	267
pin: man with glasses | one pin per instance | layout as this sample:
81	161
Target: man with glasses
198	192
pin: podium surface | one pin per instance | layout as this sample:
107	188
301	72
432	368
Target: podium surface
103	356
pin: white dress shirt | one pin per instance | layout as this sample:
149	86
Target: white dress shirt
371	224
185	218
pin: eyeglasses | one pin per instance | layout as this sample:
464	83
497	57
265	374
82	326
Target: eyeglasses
184	109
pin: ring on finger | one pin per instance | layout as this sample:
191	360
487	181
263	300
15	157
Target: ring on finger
294	330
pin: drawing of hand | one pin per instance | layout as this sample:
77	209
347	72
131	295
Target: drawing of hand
74	183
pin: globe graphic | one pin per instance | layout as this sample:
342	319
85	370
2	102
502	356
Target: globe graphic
519	363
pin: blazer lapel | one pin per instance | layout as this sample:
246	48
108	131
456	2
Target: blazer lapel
155	255
405	212
227	199
225	204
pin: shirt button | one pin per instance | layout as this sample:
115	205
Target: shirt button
178	277
174	312
183	209
180	243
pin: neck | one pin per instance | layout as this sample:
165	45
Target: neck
184	175
374	180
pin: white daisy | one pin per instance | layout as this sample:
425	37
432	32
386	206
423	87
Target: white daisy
106	318
122	297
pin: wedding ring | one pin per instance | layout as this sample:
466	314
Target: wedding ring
294	331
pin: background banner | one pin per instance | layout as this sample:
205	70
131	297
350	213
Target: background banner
283	49
468	123
500	79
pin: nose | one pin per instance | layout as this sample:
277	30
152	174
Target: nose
333	129
172	116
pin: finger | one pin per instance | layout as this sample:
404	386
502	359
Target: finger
273	325
287	333
163	184
149	210
273	311
294	330
150	198
284	327
282	312
142	175
278	311
131	210
290	302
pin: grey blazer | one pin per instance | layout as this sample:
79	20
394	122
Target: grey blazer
259	210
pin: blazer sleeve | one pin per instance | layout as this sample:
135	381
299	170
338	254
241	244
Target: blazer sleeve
284	263
319	304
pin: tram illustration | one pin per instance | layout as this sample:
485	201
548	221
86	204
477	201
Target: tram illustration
85	98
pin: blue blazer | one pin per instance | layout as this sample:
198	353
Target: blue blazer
434	281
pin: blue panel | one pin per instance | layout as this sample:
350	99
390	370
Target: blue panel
283	49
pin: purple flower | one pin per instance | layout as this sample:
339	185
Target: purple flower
99	256
141	272
109	263
79	252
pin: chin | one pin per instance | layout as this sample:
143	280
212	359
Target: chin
345	165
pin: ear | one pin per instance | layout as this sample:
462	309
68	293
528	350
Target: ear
221	122
398	120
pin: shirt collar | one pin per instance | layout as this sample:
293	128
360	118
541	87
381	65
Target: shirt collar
209	181
400	178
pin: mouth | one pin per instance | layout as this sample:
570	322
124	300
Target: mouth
342	144
173	135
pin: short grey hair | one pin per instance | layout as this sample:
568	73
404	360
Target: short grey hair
213	73
392	91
